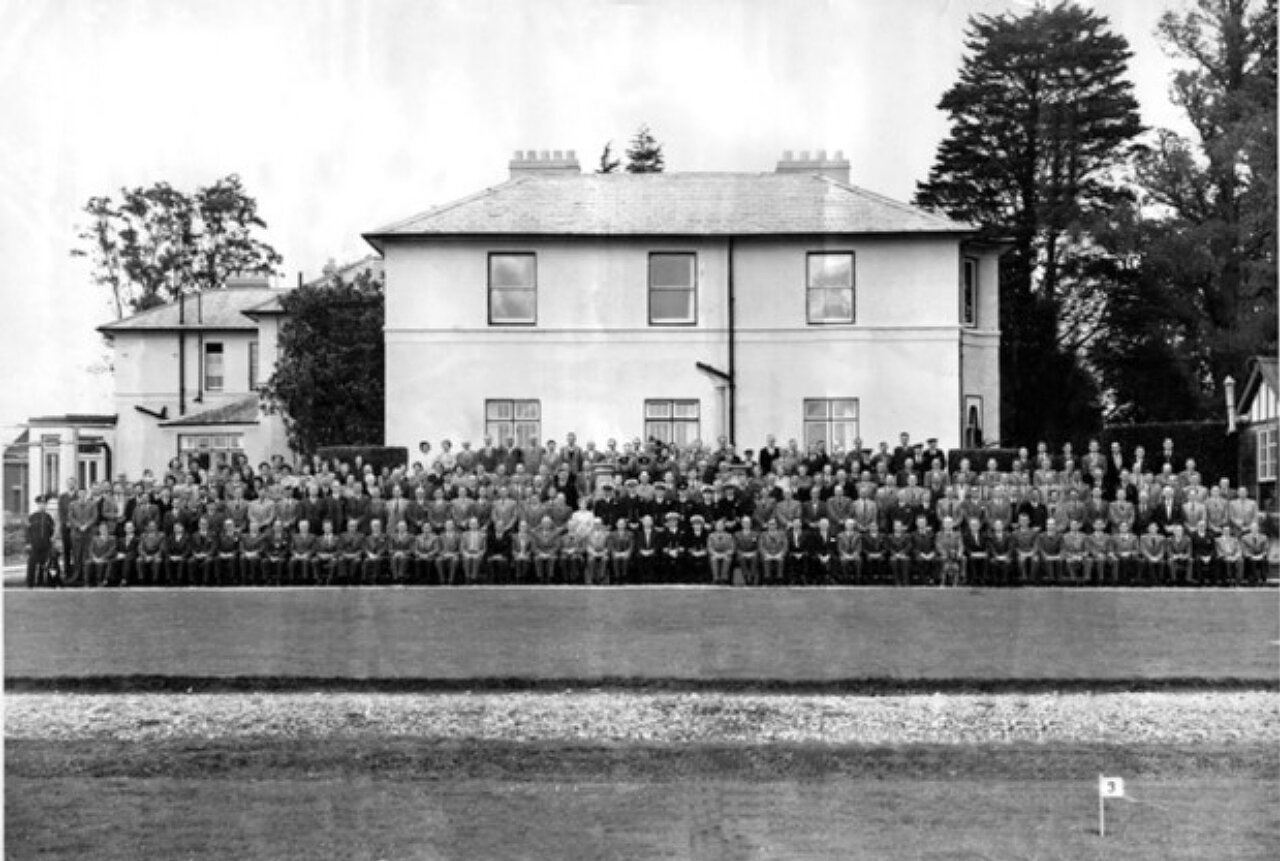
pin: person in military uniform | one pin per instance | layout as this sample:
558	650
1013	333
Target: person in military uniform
41	545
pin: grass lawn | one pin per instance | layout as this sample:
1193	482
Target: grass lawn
301	818
400	798
716	636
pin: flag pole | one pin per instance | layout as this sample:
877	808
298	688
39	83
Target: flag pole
1102	820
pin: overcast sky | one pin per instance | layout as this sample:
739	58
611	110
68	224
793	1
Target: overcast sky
342	115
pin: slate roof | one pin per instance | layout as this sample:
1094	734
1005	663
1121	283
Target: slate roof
215	309
673	204
241	412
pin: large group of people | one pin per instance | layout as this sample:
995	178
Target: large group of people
648	512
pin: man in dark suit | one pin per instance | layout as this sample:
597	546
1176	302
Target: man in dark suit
823	550
1167	512
648	544
769	454
41	546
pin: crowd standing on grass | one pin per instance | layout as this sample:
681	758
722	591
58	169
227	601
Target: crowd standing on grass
659	513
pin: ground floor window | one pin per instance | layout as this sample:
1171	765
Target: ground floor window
510	419
831	421
1267	454
49	450
673	421
210	449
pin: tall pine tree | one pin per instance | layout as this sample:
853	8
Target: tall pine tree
1042	122
645	153
1205	283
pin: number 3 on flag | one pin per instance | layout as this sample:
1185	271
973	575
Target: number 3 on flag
1111	787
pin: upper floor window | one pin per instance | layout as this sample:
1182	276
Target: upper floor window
213	366
253	365
969	291
672	289
830	287
513	289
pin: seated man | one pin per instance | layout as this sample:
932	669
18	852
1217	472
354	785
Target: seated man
720	550
1152	546
849	553
747	551
228	554
177	552
474	547
1230	558
949	547
400	547
448	554
328	560
1049	546
1000	554
375	553
350	553
252	550
1255	546
302	549
597	553
150	570
773	554
102	554
621	542
546	550
201	566
898	547
1075	552
426	547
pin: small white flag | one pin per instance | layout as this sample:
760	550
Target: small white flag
1111	787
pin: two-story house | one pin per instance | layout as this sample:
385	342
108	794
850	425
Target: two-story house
187	377
688	305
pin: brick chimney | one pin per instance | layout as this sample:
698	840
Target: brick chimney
836	167
544	163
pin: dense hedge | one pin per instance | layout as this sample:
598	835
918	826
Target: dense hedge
1215	451
376	456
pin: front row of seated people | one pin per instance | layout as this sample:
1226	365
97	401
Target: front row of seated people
591	552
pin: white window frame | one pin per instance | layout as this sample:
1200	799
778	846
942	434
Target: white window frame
1268	452
691	319
969	291
208	445
809	289
831	420
677	420
513	418
531	289
254	356
221	378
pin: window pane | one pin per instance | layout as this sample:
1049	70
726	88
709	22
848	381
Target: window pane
527	410
671	306
814	432
497	409
830	270
687	409
685	432
500	431
843	434
512	306
661	431
671	270
527	433
844	409
657	409
511	270
837	305
816	409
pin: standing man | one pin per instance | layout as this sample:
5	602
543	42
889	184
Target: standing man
42	546
65	500
84	517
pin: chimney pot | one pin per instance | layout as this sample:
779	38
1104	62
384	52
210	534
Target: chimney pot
544	163
821	156
786	155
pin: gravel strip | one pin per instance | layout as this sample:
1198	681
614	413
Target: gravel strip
1170	718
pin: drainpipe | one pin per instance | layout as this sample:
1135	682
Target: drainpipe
182	355
733	379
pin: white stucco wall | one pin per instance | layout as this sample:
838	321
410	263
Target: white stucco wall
592	359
